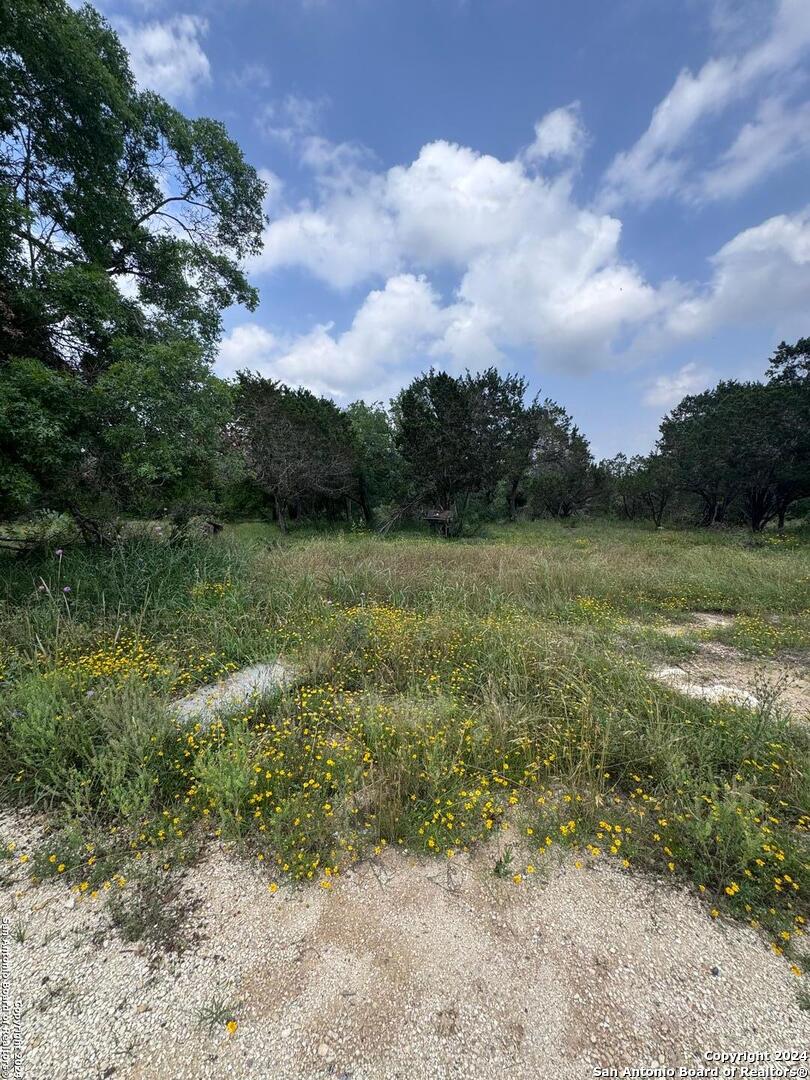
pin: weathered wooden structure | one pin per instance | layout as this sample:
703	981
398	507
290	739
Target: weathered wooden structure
440	521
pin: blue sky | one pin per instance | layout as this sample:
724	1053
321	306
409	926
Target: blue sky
609	197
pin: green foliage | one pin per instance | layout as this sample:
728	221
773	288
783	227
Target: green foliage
433	435
790	363
380	467
103	182
154	912
296	445
159	414
215	1013
460	437
654	483
743	442
620	495
144	576
43	417
146	429
561	477
123	229
503	864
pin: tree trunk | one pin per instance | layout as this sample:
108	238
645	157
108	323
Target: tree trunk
711	509
513	490
91	531
759	508
362	498
657	507
663	503
280	515
782	504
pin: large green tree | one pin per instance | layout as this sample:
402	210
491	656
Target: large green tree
380	470
297	446
124	227
432	418
697	438
140	436
744	445
790	364
504	430
460	436
655	483
619	485
562	477
789	371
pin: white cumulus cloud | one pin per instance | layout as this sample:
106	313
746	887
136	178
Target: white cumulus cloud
665	391
559	135
168	56
523	265
370	358
761	275
249	347
534	268
659	164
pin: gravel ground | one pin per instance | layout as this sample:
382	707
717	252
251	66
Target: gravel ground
406	969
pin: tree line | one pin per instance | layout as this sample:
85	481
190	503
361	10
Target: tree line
476	445
124	231
739	452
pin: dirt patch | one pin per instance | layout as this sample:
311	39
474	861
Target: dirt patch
697	621
689	683
706	620
406	968
717	672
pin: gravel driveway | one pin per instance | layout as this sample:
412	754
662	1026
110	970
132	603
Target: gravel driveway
405	968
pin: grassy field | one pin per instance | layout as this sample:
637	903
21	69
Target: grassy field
446	693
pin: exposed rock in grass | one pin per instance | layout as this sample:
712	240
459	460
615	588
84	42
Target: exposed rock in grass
686	683
230	694
705	620
719	672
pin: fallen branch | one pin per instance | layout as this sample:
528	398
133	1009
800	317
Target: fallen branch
400	511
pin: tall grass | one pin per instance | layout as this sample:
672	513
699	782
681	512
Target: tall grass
448	693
